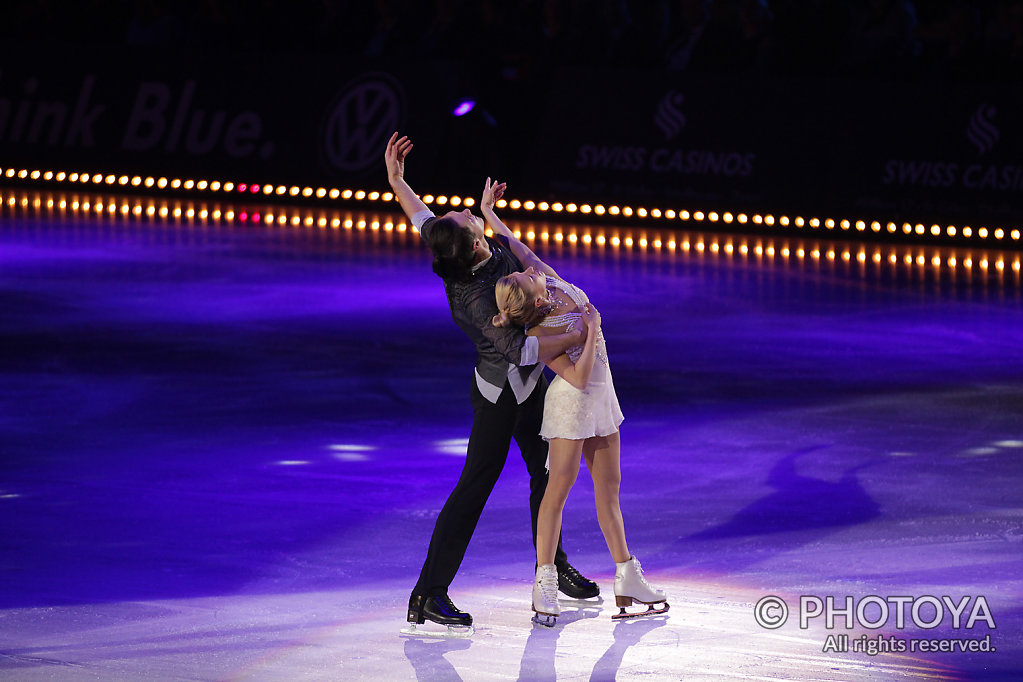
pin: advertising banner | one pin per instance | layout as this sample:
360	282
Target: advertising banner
890	151
252	118
873	149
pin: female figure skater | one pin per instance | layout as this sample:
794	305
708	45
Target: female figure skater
581	417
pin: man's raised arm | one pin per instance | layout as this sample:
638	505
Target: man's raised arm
394	158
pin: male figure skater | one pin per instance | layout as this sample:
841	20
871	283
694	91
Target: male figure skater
507	394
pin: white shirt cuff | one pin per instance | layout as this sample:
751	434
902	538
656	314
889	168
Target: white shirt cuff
530	352
421	217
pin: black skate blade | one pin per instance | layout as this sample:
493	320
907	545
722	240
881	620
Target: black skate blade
652	610
581	603
448	631
545	619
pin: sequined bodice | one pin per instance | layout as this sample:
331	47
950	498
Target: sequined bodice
571	321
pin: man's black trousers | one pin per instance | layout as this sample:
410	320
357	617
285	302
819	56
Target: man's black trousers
493	427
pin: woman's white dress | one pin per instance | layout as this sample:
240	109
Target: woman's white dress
567	411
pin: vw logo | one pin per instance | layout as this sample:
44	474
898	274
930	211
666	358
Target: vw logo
359	122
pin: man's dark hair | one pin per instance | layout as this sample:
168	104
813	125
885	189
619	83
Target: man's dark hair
451	245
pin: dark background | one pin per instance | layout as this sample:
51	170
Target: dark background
872	109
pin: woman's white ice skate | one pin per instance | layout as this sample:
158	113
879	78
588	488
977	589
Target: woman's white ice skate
545	596
631	586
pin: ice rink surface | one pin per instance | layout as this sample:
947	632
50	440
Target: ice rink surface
223	447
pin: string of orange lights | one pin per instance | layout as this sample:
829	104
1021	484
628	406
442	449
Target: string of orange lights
867	229
547	235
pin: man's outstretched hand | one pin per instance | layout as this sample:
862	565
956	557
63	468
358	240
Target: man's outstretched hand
491	193
394	156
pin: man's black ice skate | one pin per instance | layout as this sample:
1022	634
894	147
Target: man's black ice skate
574	584
437	609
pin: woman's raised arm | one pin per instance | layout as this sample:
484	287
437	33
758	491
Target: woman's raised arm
491	193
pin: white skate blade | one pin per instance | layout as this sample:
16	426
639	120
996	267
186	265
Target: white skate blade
545	619
437	631
652	610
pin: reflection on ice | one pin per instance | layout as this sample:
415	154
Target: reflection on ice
453	446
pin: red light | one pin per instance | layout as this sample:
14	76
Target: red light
255	217
243	216
255	189
242	186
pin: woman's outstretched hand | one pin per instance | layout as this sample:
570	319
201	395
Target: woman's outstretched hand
394	156
491	193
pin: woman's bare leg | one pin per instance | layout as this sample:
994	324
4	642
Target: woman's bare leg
564	461
603	458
